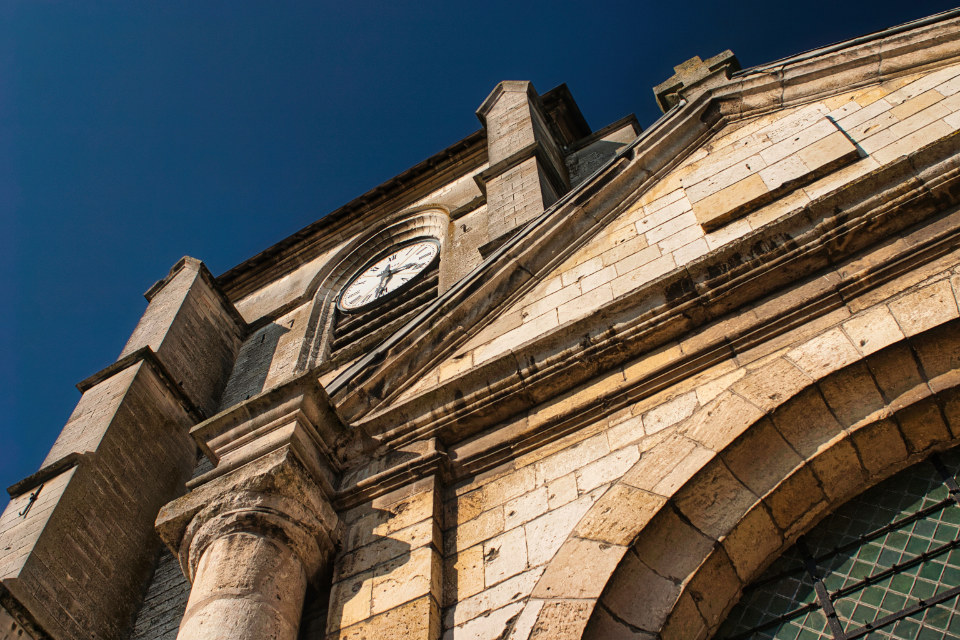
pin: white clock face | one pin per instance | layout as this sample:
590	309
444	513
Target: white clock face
388	274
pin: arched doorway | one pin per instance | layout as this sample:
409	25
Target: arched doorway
884	565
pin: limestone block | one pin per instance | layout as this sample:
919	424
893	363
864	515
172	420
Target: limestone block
562	491
824	353
691	251
880	446
685	623
669	227
562	620
769	385
753	543
572	458
914	140
578	272
723	178
615	253
634	577
625	433
659	215
386	548
925	308
584	304
873	329
760	458
550	302
710	390
794	498
636	260
660	472
527	507
715	501
678	243
463	575
496	624
869	96
839	471
669	413
500	595
721	421
922	426
716	586
938	351
619	515
581	569
606	469
851	393
601	277
350	600
629	280
416	620
604	626
405	579
485	526
504	556
509	486
657	546
525	332
915	104
546	534
806	422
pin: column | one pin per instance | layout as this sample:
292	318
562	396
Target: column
253	532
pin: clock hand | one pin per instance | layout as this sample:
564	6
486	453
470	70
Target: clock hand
384	279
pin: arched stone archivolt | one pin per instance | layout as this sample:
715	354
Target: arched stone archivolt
668	549
428	221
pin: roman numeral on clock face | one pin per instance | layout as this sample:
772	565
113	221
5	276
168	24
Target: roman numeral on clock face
388	274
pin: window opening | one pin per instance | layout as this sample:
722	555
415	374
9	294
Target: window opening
885	565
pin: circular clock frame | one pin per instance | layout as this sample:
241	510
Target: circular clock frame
405	286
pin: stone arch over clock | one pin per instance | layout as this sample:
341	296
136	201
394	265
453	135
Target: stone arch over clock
373	285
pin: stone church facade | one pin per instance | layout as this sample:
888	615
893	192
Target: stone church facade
552	383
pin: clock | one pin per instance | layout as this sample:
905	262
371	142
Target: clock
388	274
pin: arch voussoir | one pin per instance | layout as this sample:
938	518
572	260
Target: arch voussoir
704	512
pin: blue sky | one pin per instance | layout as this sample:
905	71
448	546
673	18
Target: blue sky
133	133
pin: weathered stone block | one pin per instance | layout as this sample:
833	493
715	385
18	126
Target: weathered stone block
715	501
751	545
619	515
794	498
657	546
839	471
928	307
632	577
760	458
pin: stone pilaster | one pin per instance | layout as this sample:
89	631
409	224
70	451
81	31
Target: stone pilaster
387	581
254	531
76	539
527	172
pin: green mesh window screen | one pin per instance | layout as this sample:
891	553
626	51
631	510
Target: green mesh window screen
885	565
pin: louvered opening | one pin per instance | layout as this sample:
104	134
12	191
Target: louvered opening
353	328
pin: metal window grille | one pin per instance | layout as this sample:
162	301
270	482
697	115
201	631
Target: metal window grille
885	565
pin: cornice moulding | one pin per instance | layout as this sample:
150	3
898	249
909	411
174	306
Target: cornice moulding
677	304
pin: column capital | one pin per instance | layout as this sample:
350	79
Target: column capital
276	467
275	497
